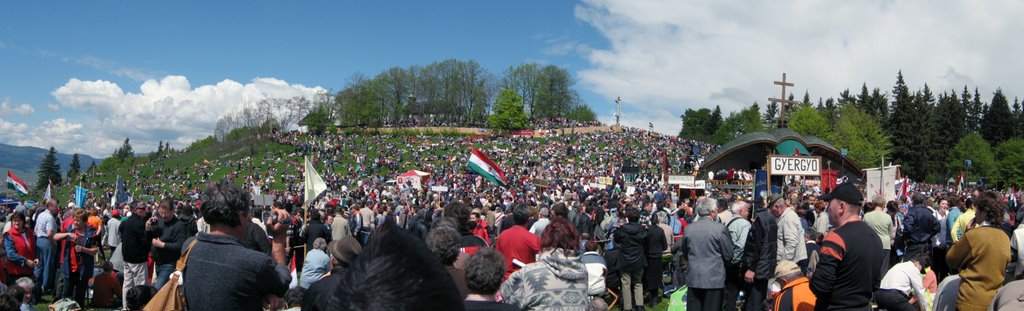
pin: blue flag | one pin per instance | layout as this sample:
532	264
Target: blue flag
80	196
121	192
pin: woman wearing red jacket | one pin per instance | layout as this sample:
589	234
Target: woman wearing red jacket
20	247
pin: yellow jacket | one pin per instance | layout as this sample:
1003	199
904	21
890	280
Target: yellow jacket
961	224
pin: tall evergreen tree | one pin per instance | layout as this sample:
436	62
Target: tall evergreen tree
997	125
948	126
864	99
49	170
978	109
879	105
92	167
908	126
807	100
76	167
845	98
771	115
970	123
1018	118
715	122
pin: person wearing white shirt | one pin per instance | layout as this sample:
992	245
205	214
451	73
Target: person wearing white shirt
900	282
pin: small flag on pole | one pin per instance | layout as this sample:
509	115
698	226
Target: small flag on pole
49	191
314	184
16	184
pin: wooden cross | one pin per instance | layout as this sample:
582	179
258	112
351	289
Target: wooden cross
783	100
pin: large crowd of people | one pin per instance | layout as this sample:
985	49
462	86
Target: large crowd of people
554	238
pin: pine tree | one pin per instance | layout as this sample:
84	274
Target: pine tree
948	126
845	98
76	167
879	105
1017	120
771	114
92	167
49	170
997	125
125	152
906	129
864	100
160	148
978	109
970	124
715	122
807	100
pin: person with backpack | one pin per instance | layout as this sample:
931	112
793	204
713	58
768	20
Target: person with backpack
739	228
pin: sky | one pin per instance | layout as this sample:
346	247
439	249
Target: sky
82	76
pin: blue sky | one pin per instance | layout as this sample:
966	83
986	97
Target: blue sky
83	75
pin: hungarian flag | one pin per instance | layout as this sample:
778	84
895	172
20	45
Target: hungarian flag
482	165
16	184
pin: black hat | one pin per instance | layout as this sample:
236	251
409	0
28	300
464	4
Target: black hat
845	192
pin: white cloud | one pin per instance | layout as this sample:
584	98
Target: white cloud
53	107
10	130
673	55
169	110
9	108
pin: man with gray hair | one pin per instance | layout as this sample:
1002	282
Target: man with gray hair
316	265
706	244
738	228
541	223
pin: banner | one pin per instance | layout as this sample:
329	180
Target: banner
760	187
680	179
828	180
881	181
794	166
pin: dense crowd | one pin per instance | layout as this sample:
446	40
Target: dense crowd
554	238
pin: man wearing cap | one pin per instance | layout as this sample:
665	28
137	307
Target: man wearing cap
113	235
760	254
849	269
795	294
791	233
135	248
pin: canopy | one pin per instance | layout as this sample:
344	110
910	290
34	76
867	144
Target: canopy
415	173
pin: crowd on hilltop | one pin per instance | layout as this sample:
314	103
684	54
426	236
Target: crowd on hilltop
462	121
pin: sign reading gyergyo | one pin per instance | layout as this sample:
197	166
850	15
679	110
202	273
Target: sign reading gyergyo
794	166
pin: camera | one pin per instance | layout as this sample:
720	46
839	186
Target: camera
270	216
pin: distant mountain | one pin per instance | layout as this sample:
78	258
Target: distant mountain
24	161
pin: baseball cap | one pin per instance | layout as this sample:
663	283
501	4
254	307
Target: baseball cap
785	267
845	192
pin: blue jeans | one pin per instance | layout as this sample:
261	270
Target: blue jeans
45	270
163	274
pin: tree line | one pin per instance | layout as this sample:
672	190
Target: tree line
452	92
930	135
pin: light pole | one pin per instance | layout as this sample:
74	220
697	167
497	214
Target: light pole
968	162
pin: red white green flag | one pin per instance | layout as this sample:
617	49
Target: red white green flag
16	184
479	163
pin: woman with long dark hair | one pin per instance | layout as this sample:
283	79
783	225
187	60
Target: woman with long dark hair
559	269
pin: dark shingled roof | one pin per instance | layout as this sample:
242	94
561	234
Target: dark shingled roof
754	147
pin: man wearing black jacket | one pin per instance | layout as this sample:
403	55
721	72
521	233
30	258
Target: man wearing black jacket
316	229
656	245
631	240
134	248
168	234
759	255
919	227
